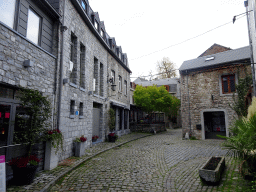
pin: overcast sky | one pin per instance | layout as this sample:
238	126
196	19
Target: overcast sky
142	27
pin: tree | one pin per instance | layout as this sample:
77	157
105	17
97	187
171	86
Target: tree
153	99
166	68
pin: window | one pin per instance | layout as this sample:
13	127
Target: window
82	66
120	83
113	76
33	26
228	83
102	33
125	87
96	25
73	63
101	80
72	48
72	107
173	88
95	75
81	112
7	12
84	5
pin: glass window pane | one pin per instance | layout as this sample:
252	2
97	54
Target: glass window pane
5	112
83	5
7	10
6	92
33	27
225	86
232	85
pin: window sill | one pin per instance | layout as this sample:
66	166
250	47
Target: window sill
227	94
73	85
82	89
72	116
81	117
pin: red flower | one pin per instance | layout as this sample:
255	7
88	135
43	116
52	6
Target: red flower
111	134
83	139
50	132
23	161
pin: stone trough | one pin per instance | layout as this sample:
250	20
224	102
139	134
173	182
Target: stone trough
212	175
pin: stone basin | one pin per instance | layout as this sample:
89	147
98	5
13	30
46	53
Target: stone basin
212	176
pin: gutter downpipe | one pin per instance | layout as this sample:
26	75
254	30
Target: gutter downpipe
61	67
189	107
251	49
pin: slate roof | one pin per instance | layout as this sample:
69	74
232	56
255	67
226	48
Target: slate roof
166	81
219	58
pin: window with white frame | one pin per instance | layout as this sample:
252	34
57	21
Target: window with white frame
33	26
102	33
96	25
7	12
120	83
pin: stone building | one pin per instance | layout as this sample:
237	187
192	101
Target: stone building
28	57
207	88
91	64
62	49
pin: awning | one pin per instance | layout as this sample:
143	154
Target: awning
121	105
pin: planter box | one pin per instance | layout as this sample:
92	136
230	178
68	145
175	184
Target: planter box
24	175
80	148
51	158
111	139
212	175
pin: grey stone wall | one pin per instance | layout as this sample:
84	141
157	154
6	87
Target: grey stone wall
202	85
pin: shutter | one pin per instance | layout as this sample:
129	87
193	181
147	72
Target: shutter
166	87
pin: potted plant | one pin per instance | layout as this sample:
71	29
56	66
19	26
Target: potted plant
24	169
112	137
30	126
54	140
80	144
111	124
94	138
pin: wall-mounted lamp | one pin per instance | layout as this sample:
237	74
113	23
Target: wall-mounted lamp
28	63
113	87
111	80
64	28
66	80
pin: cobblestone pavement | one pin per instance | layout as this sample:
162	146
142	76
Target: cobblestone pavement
46	178
163	162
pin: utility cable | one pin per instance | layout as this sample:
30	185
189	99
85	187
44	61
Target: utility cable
236	18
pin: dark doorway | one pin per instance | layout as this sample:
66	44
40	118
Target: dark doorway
214	124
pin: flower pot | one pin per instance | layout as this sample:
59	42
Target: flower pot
24	175
111	139
94	140
211	171
51	158
80	149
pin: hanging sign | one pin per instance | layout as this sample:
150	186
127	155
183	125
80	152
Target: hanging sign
2	174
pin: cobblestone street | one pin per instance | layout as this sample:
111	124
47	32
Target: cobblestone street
162	162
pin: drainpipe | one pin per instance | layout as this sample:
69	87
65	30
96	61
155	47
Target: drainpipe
251	48
189	106
61	66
